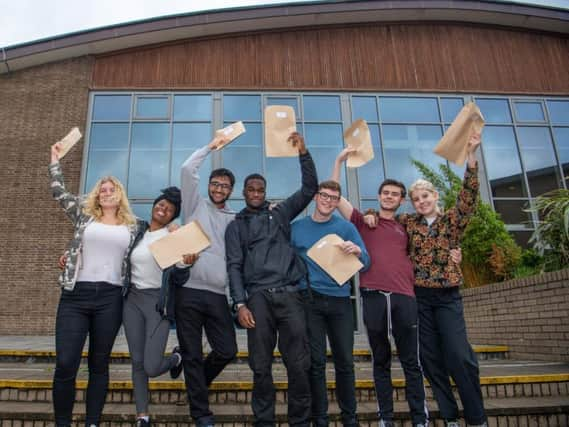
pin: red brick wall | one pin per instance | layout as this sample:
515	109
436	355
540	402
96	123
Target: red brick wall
529	315
38	106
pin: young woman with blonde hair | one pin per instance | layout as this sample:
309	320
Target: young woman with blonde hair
444	347
92	283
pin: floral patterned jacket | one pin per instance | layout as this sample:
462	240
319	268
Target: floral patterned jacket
73	207
429	246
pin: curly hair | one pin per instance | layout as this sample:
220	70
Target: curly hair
92	207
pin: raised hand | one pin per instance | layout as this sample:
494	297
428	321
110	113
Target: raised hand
297	141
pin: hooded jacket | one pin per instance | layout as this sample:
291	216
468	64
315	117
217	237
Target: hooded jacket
258	246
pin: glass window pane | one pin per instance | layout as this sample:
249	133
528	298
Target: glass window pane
106	162
371	174
364	107
152	107
402	143
522	238
189	136
539	159
450	108
325	108
142	210
512	211
108	136
529	112
150	136
291	102
502	162
408	110
495	110
192	107
111	107
283	176
148	173
241	107
561	136
242	161
325	141
558	112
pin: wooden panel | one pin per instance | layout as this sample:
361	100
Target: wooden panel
395	57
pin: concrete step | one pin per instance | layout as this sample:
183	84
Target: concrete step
483	352
499	378
548	412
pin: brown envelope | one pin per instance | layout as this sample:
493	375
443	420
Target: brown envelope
69	141
280	122
339	265
454	143
189	239
358	137
231	132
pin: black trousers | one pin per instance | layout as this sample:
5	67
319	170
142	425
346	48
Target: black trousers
445	351
279	313
94	309
198	310
400	311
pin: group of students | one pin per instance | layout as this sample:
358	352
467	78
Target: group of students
409	287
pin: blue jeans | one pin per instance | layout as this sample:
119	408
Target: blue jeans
332	316
93	308
445	351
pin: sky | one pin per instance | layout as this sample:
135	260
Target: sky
23	21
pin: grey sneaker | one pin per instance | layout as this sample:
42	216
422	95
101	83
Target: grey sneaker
452	423
141	422
383	423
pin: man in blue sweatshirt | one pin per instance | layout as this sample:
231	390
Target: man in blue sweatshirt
329	310
201	304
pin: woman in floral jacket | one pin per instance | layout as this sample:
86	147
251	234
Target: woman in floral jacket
92	282
444	346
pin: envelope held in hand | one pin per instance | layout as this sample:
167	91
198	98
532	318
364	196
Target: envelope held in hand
189	239
358	137
280	122
454	143
339	265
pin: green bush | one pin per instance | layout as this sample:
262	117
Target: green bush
551	236
489	252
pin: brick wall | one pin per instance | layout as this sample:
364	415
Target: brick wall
529	315
38	106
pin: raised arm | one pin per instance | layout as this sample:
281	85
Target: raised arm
295	203
468	196
70	203
190	177
345	207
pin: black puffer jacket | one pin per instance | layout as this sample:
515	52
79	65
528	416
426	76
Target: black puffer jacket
257	243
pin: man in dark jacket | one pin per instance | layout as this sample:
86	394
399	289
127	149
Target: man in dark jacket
264	272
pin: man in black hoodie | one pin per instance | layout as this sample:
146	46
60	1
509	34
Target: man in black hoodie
264	271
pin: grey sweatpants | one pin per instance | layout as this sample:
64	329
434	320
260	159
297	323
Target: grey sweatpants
146	334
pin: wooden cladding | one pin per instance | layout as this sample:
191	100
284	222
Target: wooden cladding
393	57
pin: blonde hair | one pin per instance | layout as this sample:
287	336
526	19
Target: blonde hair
424	185
92	207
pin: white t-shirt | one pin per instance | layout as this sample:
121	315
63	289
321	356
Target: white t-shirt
145	272
103	251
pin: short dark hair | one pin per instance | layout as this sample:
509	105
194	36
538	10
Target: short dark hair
395	183
223	172
254	176
330	185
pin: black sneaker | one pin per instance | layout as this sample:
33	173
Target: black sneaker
141	422
176	370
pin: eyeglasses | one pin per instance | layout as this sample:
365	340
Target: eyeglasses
221	185
326	196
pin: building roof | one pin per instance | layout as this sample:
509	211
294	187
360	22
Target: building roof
275	17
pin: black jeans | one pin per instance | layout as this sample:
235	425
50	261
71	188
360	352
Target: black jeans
332	316
280	312
196	310
402	310
93	308
445	351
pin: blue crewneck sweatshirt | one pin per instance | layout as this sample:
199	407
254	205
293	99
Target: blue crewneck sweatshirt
306	232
